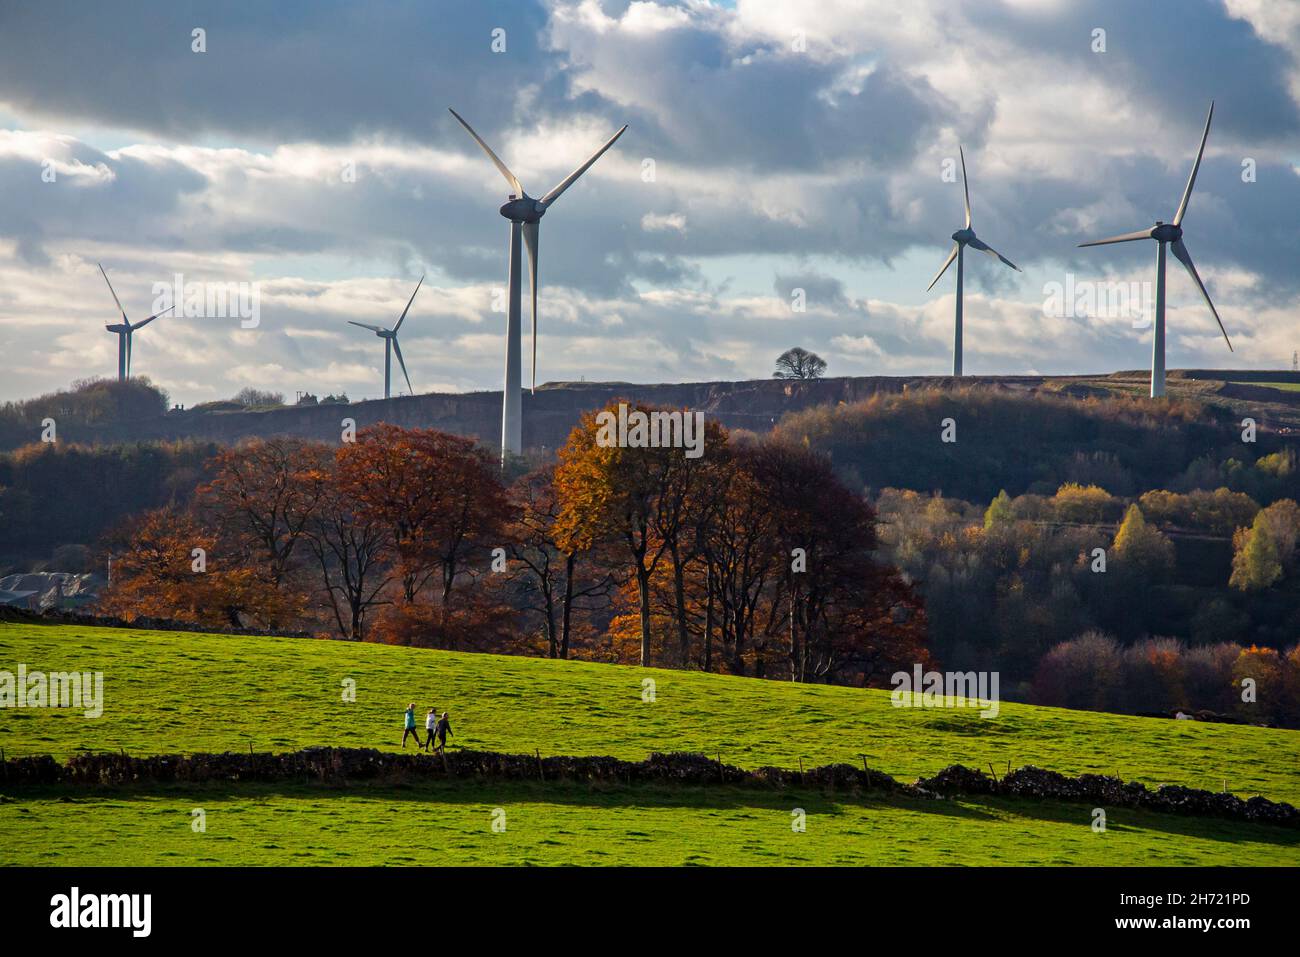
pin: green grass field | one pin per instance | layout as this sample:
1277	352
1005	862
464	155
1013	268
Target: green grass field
450	824
179	692
1284	386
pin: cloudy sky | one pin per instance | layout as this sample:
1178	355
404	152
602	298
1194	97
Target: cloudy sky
773	146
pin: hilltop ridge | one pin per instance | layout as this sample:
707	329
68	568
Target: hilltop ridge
754	404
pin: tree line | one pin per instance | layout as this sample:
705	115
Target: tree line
1032	443
1006	582
1160	675
750	559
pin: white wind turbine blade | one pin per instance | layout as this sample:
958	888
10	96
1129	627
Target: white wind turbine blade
1191	180
129	337
114	292
505	170
986	248
554	194
944	268
965	185
402	318
1125	238
398	351
365	325
141	325
531	233
1180	250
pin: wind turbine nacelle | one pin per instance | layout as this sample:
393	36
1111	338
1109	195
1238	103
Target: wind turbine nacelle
118	327
1166	232
523	210
963	235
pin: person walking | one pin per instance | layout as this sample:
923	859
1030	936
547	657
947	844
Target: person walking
408	727
441	730
430	724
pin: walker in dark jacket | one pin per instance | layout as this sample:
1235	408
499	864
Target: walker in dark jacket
441	730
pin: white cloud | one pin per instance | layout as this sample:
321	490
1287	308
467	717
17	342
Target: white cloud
657	222
770	162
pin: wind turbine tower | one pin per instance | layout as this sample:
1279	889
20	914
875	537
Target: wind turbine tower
525	215
390	344
961	239
1171	235
124	331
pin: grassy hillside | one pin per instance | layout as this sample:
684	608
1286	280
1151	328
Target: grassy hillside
167	691
172	692
450	824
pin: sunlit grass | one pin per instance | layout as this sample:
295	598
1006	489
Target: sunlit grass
450	824
180	692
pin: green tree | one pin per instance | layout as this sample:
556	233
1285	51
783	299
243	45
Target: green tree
1256	564
999	511
1283	519
1141	545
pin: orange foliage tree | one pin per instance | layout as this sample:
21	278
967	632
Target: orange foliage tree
351	547
550	577
166	565
441	500
261	498
753	558
631	499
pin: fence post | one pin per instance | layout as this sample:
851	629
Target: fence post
540	773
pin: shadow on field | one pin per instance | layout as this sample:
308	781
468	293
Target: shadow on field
1122	819
492	792
469	792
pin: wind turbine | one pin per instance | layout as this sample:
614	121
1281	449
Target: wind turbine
1172	234
390	344
525	214
961	239
124	331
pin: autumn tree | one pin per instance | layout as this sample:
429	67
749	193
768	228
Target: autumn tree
779	577
632	498
1219	511
350	545
439	495
1260	675
554	579
1082	673
260	500
1082	503
164	564
841	614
